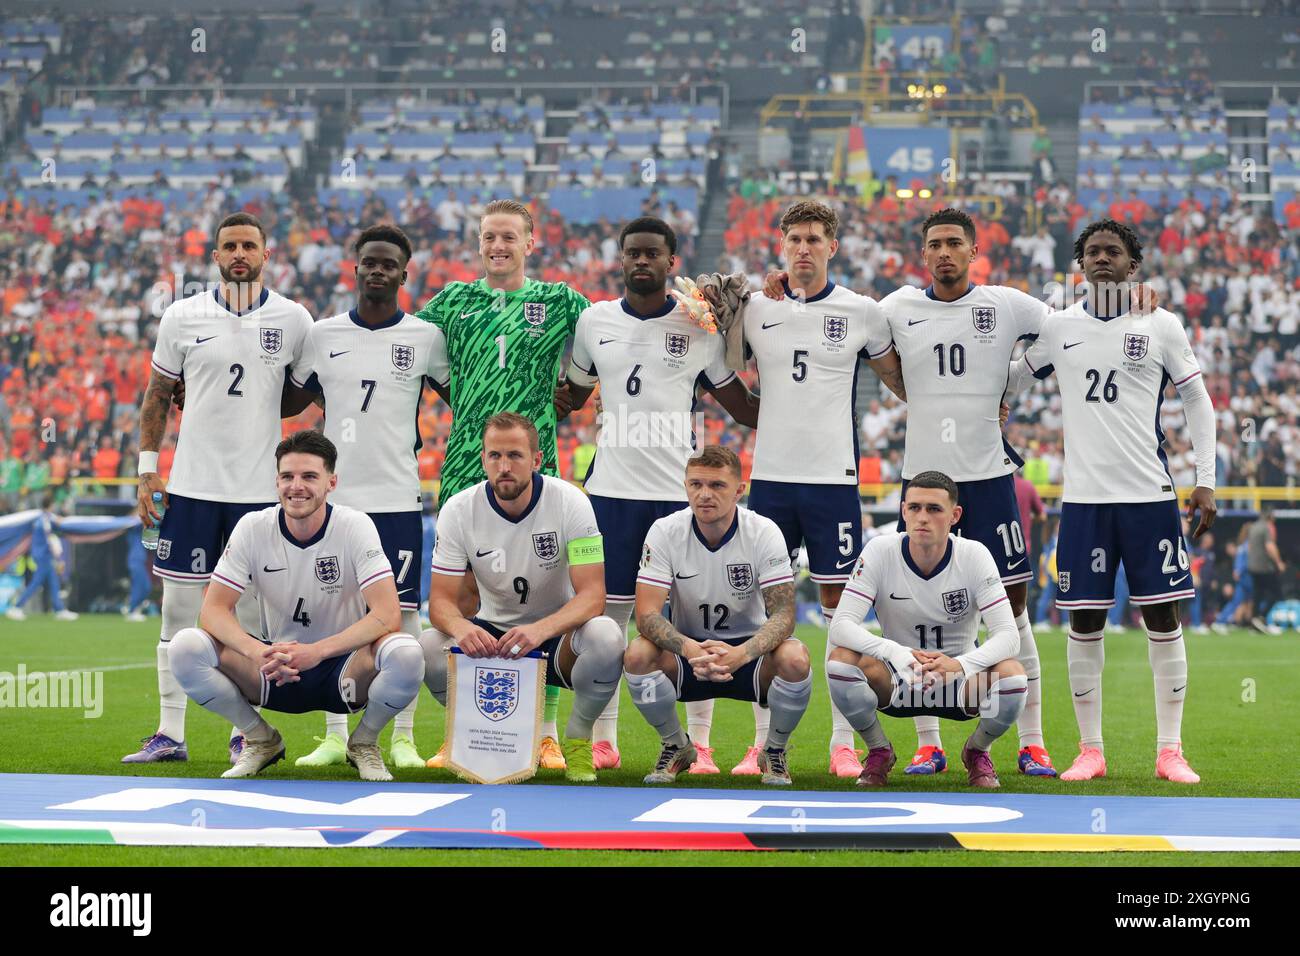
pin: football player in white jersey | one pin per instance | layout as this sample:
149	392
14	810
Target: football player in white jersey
726	572
954	339
329	611
370	365
535	550
234	347
930	590
653	360
805	475
1119	504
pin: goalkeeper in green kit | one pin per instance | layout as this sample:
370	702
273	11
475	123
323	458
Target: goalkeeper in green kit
506	334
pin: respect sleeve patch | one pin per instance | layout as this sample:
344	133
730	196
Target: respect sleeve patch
587	550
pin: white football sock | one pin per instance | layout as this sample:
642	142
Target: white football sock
400	663
404	722
599	645
841	729
607	723
999	709
337	724
927	732
852	691
1030	725
1168	656
194	663
699	720
1086	656
762	721
180	609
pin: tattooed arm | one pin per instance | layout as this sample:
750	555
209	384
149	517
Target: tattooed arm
890	370
654	627
153	425
779	600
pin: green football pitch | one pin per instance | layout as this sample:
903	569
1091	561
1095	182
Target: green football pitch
1235	734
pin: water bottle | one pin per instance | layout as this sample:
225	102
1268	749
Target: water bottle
149	536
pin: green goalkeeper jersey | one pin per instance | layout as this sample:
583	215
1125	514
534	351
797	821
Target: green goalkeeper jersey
504	349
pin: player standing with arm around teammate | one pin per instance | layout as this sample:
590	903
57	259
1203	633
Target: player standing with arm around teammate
805	475
652	360
532	543
329	606
505	334
726	572
233	347
954	340
930	590
1120	504
370	365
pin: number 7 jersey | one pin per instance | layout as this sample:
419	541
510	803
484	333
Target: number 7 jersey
1112	375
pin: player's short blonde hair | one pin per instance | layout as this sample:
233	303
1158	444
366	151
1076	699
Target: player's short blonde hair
504	421
810	210
716	456
509	207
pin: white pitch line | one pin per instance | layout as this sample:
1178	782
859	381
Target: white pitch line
7	676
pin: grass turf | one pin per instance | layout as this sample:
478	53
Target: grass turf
1236	709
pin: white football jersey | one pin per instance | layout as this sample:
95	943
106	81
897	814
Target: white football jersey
1112	375
715	593
372	379
648	366
521	564
954	357
234	367
807	355
938	612
307	590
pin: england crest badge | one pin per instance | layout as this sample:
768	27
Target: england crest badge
403	357
985	319
164	548
1135	347
327	569
956	602
496	692
1063	581
677	343
272	339
740	576
546	545
535	313
836	327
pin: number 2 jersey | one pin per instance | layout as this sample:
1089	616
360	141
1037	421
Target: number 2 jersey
807	354
940	611
235	366
953	355
307	590
521	564
372	378
1112	375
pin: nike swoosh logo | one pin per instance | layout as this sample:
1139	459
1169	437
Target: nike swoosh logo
1179	689
337	354
1012	567
466	315
897	598
1071	345
201	341
484	554
1178	581
1085	693
912	322
607	341
773	325
683	577
841	566
271	570
606	682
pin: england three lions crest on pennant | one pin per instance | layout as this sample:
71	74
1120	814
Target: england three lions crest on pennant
272	339
1063	581
534	313
1135	346
836	327
740	576
677	343
956	602
496	692
403	357
985	319
327	570
546	545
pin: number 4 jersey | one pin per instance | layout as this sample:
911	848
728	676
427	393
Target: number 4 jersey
307	590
